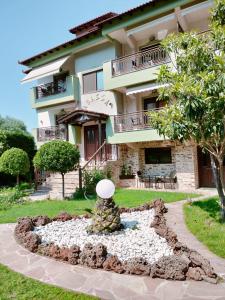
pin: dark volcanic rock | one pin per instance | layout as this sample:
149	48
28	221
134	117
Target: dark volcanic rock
170	267
112	263
197	260
31	241
73	255
195	274
41	220
24	225
93	256
159	206
137	266
63	217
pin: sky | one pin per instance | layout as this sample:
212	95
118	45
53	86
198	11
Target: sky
28	27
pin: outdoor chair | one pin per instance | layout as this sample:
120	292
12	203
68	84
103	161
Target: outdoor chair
170	180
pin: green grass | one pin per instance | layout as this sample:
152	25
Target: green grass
123	197
203	220
19	287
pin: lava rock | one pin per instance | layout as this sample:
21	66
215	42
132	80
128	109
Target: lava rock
137	266
74	254
112	263
63	217
168	234
170	267
31	241
93	256
159	206
197	260
54	251
41	220
24	225
195	274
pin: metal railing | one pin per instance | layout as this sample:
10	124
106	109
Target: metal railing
51	88
58	132
133	121
139	60
103	154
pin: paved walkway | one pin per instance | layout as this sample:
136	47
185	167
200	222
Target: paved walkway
175	221
106	285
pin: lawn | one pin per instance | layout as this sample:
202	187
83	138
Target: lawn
16	286
203	220
123	197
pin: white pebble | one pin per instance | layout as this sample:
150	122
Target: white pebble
141	241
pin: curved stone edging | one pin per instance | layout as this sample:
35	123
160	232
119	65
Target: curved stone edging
184	264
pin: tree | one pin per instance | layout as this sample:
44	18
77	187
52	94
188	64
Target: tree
15	162
57	156
12	124
195	109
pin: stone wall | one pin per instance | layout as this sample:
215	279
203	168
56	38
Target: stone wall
186	166
184	162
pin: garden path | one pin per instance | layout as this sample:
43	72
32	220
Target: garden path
175	220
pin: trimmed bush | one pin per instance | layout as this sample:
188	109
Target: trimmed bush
15	162
57	156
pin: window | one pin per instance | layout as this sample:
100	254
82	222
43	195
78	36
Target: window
158	156
152	103
93	82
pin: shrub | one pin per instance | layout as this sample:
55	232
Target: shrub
17	139
92	177
15	162
10	197
57	156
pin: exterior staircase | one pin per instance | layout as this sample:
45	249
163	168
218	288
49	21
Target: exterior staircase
49	186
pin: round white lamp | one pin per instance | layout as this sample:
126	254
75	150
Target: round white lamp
105	188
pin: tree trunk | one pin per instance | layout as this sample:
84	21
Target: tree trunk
217	179
18	179
63	186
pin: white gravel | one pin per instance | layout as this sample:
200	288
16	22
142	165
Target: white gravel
136	240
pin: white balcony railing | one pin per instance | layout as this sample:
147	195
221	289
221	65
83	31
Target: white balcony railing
138	61
132	121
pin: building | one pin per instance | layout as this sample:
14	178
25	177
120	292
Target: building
99	86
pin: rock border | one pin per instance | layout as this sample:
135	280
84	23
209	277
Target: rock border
184	264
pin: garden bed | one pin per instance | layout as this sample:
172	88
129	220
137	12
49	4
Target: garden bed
175	261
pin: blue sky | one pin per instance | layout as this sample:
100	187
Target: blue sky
28	27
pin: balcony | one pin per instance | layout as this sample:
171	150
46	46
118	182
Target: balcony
54	93
52	88
133	121
134	69
139	61
45	134
130	128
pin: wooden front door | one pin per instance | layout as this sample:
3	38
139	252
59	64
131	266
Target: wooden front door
91	139
204	169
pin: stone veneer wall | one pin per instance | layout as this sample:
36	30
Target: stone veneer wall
184	162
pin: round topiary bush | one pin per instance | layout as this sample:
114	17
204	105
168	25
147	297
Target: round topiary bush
15	162
57	156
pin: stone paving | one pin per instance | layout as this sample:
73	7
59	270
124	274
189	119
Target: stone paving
175	221
106	285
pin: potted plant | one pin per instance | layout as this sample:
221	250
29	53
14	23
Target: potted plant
126	172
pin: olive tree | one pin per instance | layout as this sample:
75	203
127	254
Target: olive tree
15	162
194	92
57	156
